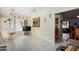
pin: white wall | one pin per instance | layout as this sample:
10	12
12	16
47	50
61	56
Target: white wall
47	29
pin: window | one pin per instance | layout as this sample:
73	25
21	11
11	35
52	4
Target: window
65	24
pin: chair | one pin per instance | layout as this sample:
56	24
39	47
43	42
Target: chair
5	35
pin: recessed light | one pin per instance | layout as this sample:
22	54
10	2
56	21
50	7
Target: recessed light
78	16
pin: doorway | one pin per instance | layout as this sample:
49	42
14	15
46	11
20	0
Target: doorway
57	28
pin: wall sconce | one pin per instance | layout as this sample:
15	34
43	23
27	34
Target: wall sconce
5	21
8	19
44	19
50	15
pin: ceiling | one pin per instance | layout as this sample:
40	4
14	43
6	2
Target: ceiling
29	11
21	11
7	11
72	14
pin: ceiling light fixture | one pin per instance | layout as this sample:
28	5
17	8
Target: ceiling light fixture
78	16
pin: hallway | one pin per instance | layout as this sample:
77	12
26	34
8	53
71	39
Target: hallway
28	28
28	43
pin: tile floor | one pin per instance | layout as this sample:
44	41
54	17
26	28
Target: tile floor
28	43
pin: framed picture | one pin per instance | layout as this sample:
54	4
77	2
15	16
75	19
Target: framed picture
36	22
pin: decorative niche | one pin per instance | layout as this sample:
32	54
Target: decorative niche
36	22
